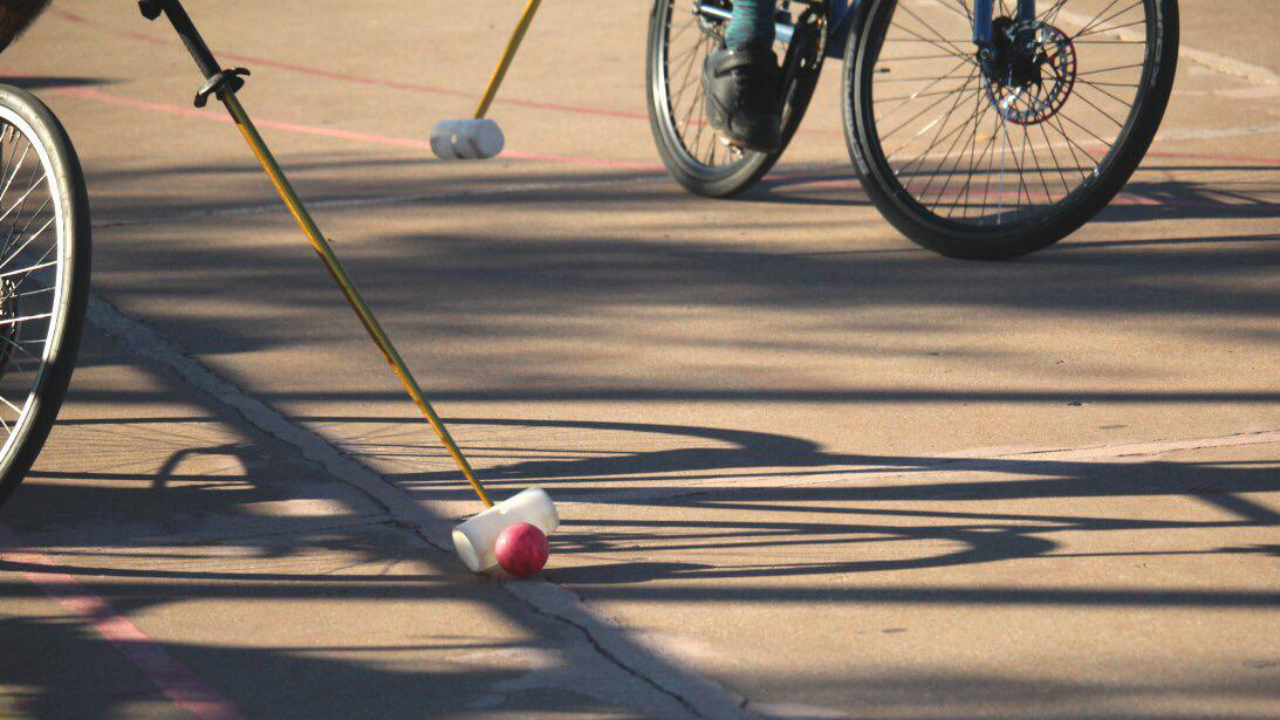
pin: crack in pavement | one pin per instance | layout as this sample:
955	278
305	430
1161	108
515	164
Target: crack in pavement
586	631
681	690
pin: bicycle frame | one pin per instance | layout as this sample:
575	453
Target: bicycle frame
840	14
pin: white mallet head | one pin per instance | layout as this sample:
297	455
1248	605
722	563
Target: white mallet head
466	139
475	538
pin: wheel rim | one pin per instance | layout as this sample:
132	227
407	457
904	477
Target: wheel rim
33	276
687	40
990	147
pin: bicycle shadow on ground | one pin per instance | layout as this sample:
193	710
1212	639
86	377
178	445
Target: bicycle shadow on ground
721	475
151	511
1249	191
187	511
100	516
877	514
33	83
708	485
414	278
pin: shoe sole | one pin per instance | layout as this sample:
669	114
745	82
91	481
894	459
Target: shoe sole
740	144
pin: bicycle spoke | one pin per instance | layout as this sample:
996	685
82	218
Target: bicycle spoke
1099	24
1099	88
9	180
688	43
1100	13
1112	29
959	52
1104	113
968	181
34	236
943	45
15	408
1050	16
934	123
12	236
974	154
949	174
41	241
921	112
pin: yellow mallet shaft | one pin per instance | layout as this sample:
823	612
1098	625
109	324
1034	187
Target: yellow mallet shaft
508	56
362	310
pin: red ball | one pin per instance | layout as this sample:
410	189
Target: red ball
522	550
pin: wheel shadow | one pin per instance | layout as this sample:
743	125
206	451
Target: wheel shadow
51	82
810	497
710	482
1246	192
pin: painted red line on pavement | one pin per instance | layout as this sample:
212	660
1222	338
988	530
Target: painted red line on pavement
1125	198
82	20
174	680
386	140
428	89
369	138
360	80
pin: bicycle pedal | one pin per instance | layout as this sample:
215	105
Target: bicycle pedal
730	144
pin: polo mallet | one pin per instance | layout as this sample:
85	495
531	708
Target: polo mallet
475	537
480	138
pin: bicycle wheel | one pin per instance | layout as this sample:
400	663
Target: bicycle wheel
680	38
995	158
44	277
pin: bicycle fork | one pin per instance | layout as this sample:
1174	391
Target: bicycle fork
984	20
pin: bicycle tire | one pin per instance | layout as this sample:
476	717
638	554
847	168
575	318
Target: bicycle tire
21	114
982	239
696	169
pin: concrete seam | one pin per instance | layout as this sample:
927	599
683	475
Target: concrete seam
543	598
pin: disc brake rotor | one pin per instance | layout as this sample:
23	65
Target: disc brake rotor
1037	75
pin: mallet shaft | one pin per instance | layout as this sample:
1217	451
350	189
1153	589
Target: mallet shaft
349	290
513	45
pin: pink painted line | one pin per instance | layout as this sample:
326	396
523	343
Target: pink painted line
385	140
360	80
428	89
1125	198
432	90
174	680
212	115
82	20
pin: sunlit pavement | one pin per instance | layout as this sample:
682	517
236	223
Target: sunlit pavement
805	469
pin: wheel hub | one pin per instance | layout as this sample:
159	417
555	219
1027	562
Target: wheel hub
1030	70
